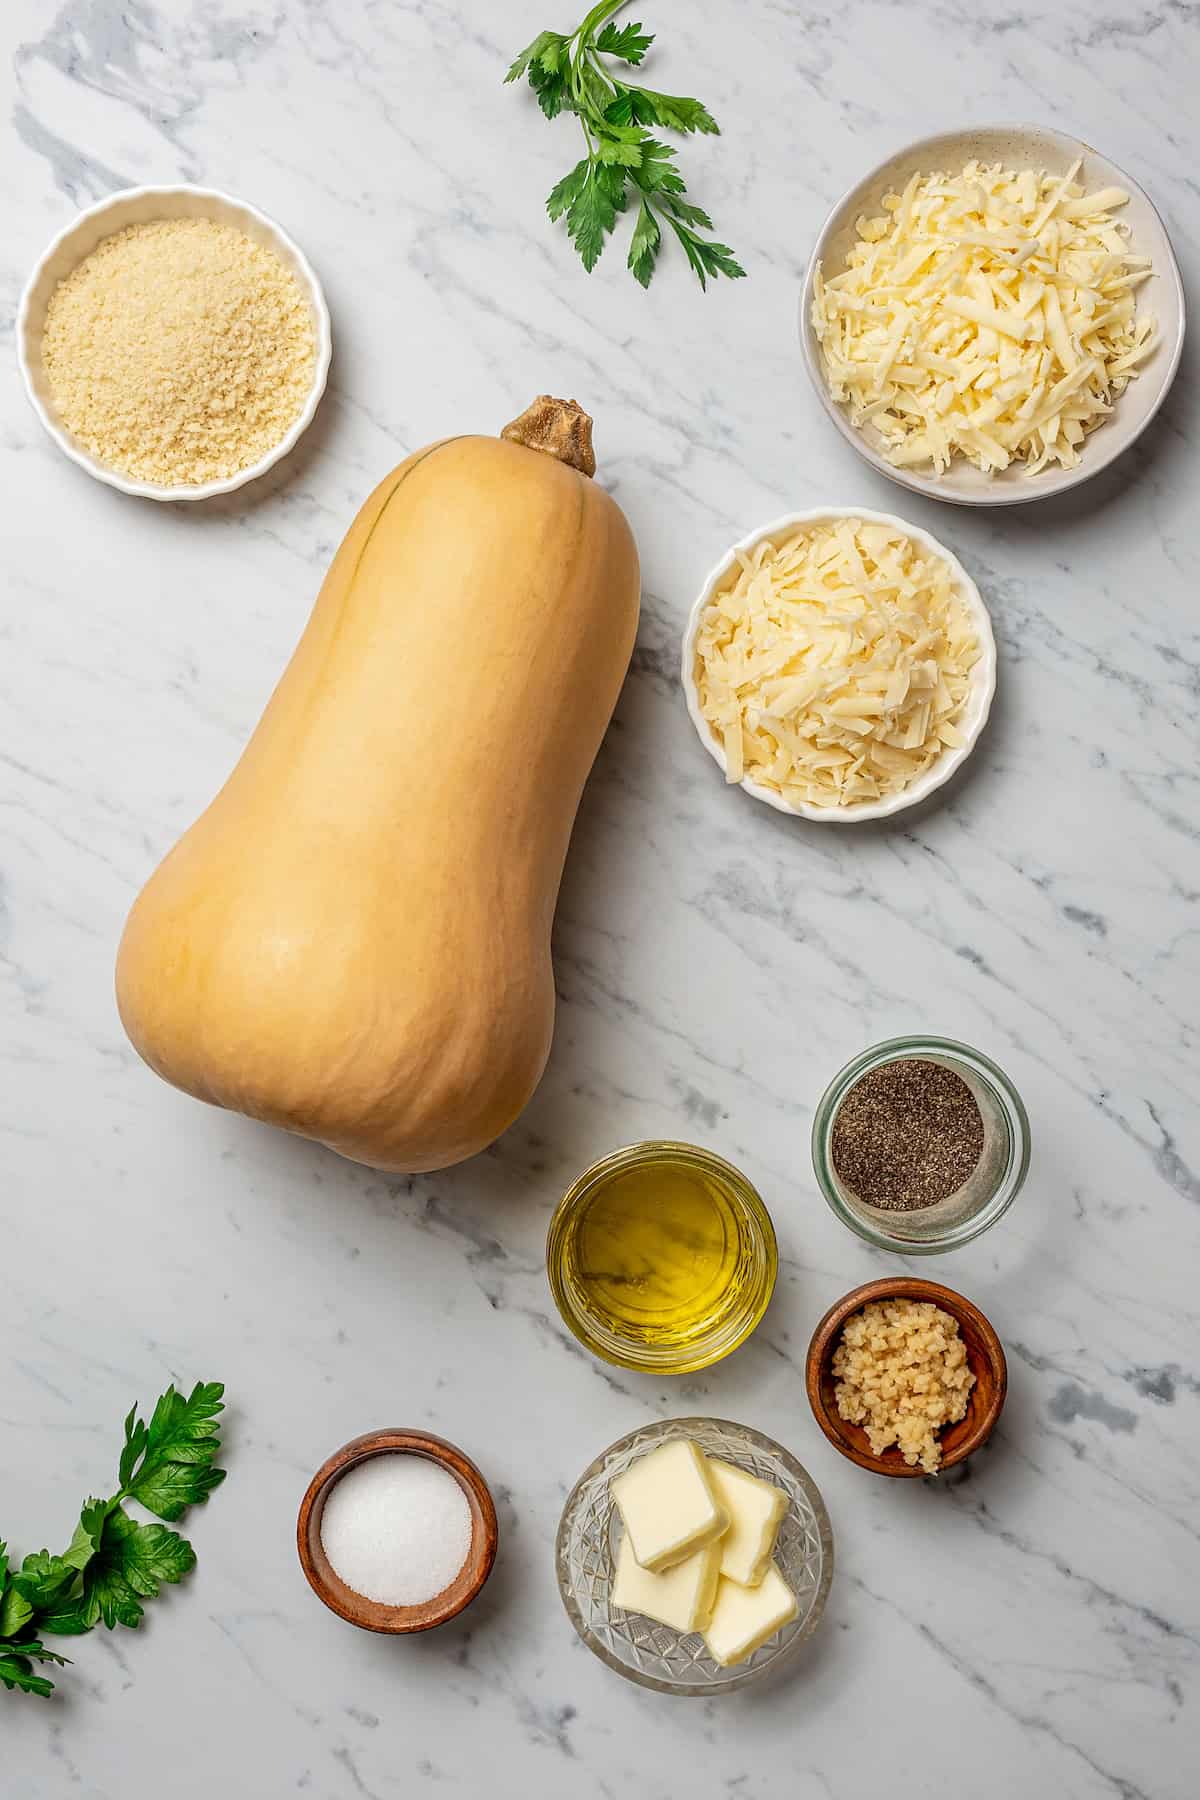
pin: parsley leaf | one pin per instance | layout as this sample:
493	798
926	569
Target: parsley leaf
43	1580
568	74
568	189
673	113
114	1563
691	215
85	1540
629	42
15	1611
169	1491
168	1465
535	53
657	173
551	89
16	1667
706	257
591	216
643	247
131	1562
621	144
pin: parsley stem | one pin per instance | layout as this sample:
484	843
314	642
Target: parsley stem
587	72
598	16
598	69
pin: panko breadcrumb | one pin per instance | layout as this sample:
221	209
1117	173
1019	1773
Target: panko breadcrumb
902	1374
180	351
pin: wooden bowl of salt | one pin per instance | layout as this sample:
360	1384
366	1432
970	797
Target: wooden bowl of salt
397	1531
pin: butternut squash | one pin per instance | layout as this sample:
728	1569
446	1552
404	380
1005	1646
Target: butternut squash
353	941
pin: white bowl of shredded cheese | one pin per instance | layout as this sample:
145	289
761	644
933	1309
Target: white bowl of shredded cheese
174	342
839	664
993	315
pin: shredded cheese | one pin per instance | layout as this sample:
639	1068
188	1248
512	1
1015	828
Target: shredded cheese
835	667
989	315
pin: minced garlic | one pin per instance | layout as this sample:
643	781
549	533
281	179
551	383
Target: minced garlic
901	1372
834	668
989	314
179	352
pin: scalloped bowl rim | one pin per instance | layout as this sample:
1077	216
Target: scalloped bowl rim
127	201
983	674
962	486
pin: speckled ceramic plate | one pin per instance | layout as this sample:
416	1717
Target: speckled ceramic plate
651	1654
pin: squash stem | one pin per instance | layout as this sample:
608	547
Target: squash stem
559	428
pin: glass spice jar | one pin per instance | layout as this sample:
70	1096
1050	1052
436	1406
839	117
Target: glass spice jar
989	1189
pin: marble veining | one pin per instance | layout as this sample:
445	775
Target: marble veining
1029	1623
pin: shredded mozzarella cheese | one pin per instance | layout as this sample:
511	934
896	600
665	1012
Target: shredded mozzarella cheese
989	315
835	667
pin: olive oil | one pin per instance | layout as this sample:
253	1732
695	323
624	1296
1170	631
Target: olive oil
662	1257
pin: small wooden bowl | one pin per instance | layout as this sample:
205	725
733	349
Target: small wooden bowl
985	1355
372	1615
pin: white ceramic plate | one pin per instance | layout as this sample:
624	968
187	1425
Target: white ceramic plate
1020	146
979	701
139	206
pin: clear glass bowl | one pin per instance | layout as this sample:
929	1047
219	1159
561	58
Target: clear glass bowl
652	1655
990	1189
645	1338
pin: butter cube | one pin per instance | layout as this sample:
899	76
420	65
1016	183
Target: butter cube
755	1510
745	1617
667	1504
681	1596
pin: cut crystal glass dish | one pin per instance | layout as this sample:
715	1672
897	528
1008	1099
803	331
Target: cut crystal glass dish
651	1654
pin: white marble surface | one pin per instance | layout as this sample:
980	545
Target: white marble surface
1031	1628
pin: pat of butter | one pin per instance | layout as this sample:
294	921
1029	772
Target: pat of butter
667	1504
755	1509
681	1596
743	1618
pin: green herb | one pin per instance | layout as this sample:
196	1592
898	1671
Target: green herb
113	1562
568	74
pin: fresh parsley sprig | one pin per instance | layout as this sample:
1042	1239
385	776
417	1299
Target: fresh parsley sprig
113	1562
568	74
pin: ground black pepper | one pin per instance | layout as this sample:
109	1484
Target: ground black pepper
907	1134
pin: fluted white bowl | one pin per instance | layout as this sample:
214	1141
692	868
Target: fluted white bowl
975	713
141	206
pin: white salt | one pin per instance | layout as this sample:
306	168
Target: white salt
397	1528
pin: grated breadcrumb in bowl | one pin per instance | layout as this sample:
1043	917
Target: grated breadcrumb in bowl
154	206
